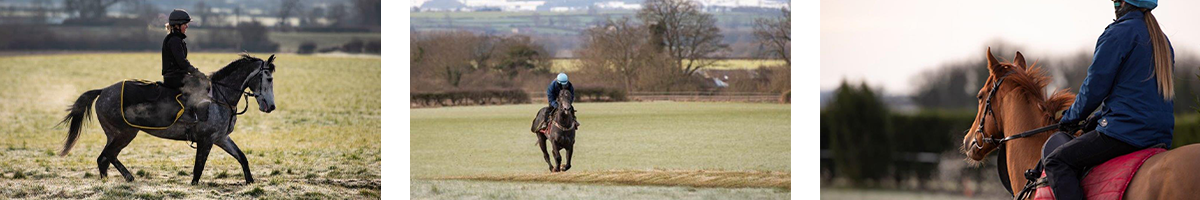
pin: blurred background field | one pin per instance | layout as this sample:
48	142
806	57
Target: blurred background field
472	144
321	142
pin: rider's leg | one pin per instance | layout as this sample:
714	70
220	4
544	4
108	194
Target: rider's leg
1065	165
196	91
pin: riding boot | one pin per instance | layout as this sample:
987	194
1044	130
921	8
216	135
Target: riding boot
201	110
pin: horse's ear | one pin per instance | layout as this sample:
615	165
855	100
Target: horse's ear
992	62
1020	60
272	59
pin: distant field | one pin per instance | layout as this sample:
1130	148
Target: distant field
695	146
568	65
322	142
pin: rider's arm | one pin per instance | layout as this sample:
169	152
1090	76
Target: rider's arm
1111	49
551	94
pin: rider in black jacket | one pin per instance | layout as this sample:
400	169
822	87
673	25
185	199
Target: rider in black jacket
176	67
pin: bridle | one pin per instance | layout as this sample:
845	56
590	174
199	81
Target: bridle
220	99
1002	169
245	94
987	110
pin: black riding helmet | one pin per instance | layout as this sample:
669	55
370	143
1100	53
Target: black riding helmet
179	16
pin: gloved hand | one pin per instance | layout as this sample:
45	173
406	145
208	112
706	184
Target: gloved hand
198	74
1069	127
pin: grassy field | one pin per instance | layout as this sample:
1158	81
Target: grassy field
322	142
659	149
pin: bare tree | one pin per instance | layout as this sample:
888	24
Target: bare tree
369	12
444	56
286	9
616	51
337	14
774	36
688	35
89	9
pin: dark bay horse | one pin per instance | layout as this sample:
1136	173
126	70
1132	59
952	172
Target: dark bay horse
1008	108
229	84
560	132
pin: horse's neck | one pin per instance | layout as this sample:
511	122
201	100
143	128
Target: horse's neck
232	86
1022	153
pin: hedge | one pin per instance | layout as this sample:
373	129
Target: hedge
470	97
600	94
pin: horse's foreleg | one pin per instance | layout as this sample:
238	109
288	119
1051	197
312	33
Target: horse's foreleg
236	152
557	157
570	151
202	148
545	155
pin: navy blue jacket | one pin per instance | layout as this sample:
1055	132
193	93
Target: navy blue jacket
552	92
1122	77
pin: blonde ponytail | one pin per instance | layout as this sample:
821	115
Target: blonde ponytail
1163	61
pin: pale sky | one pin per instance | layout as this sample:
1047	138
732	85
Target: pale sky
888	43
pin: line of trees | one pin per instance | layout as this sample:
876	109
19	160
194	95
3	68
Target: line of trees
954	85
462	60
667	44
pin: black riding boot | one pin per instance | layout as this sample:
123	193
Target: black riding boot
201	113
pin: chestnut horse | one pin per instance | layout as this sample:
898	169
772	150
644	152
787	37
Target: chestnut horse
1019	104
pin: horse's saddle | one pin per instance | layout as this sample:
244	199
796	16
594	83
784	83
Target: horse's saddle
150	105
1108	180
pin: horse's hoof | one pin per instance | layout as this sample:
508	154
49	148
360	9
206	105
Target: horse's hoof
195	182
565	168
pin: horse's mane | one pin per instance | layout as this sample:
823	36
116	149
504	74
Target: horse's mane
1030	82
234	66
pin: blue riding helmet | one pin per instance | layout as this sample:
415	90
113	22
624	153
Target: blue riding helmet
562	78
1147	4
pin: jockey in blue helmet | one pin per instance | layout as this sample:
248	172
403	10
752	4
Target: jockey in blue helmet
556	86
1131	75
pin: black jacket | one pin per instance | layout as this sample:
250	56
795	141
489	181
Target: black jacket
174	56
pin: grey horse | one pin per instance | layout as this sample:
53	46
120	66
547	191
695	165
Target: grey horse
229	84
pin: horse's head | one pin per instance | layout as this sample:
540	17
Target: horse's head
564	99
987	126
262	84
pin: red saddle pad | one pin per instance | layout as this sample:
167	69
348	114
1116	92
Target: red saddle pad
1108	180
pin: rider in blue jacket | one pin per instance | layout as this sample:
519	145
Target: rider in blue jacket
1131	75
557	85
560	83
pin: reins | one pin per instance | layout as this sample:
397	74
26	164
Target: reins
999	142
223	101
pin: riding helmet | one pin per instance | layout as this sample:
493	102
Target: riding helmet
179	16
1147	4
562	78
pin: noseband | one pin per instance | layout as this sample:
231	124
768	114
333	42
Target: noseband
987	110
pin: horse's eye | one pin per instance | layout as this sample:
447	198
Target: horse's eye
270	79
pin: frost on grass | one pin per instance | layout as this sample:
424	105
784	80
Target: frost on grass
694	178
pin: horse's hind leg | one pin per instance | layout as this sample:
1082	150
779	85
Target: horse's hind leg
234	151
117	140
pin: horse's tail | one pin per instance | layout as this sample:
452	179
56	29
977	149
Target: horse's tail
78	112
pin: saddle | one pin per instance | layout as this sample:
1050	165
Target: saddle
150	105
1108	180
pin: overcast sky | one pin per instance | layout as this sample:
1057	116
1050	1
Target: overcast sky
887	43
